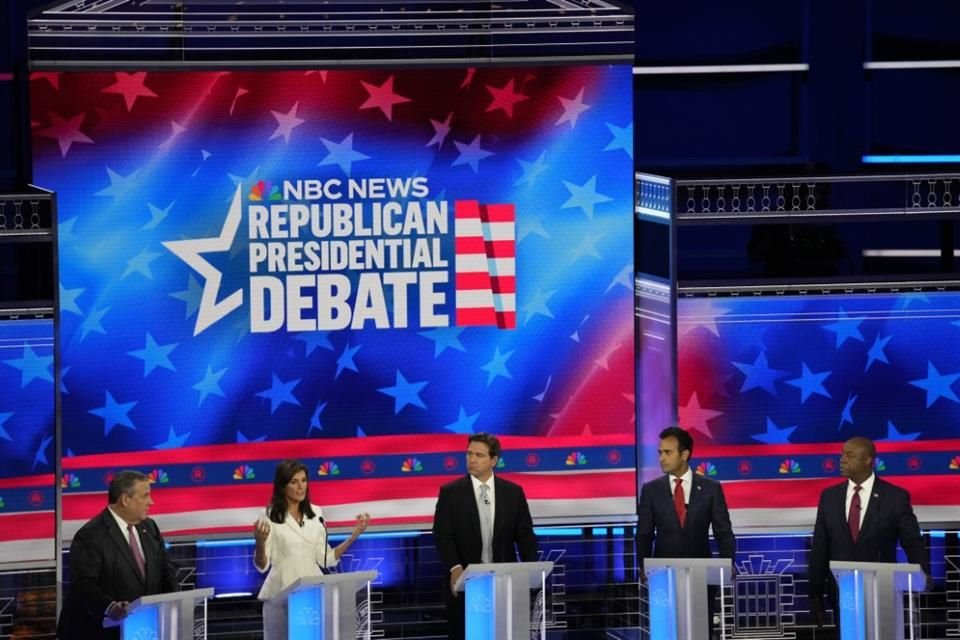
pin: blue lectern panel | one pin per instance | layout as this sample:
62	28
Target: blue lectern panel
142	624
481	614
663	605
853	621
305	615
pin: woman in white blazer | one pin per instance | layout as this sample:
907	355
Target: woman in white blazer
292	542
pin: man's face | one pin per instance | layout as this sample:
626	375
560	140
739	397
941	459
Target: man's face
297	487
136	505
855	460
671	460
479	462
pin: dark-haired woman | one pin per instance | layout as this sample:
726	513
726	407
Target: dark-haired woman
292	542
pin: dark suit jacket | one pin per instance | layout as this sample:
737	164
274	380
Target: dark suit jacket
889	517
659	534
456	524
102	570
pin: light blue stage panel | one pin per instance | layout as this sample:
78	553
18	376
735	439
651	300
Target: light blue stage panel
305	614
481	614
663	604
142	623
853	619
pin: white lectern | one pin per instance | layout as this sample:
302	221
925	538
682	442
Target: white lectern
871	598
165	616
324	607
498	599
679	600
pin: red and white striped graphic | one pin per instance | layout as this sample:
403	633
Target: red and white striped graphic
486	251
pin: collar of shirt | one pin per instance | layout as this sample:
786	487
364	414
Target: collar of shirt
866	488
122	523
477	483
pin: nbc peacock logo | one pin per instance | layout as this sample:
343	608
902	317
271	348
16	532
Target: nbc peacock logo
790	466
501	463
411	465
158	476
955	463
879	465
264	190
328	468
244	472
575	458
69	481
2	503
707	469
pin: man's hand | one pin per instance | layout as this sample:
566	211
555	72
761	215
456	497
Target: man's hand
816	610
454	576
118	610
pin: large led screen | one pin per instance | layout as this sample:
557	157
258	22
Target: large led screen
355	268
27	452
770	387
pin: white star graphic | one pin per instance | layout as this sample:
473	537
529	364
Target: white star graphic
572	109
286	123
189	251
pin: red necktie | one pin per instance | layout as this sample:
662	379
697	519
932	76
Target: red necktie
678	501
135	548
853	518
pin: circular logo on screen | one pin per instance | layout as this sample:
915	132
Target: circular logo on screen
533	460
450	463
36	498
613	456
914	463
197	474
108	478
744	467
829	465
367	466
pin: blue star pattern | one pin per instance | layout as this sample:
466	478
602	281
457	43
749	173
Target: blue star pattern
464	423
897	384
280	392
32	366
404	393
114	413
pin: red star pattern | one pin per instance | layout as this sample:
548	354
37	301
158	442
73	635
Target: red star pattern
693	416
131	86
504	98
382	97
53	77
65	131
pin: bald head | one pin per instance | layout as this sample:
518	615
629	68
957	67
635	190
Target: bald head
856	459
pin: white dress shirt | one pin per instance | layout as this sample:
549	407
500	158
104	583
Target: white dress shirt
126	535
866	490
294	552
491	495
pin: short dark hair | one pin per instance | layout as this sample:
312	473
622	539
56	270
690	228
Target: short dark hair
493	444
684	439
123	484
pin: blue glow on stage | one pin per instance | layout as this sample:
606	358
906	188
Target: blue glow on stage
907	159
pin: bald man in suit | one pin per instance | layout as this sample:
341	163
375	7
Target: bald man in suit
860	520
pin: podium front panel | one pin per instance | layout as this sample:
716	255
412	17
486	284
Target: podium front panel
142	623
481	617
663	604
853	615
305	614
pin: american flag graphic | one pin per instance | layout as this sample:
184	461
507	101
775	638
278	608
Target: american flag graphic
486	264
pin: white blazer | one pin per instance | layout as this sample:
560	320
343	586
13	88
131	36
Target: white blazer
294	552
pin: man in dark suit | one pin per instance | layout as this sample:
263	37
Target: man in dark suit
115	558
860	520
677	509
480	518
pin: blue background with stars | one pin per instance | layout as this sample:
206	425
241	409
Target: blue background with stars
813	369
161	161
26	398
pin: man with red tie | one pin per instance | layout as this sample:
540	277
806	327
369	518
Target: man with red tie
860	520
678	509
114	559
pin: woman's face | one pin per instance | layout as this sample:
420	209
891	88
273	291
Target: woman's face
297	487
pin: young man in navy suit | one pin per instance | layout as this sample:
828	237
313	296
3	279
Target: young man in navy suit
860	520
678	509
465	536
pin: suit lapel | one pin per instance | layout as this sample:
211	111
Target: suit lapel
873	507
668	486
470	498
696	495
123	544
